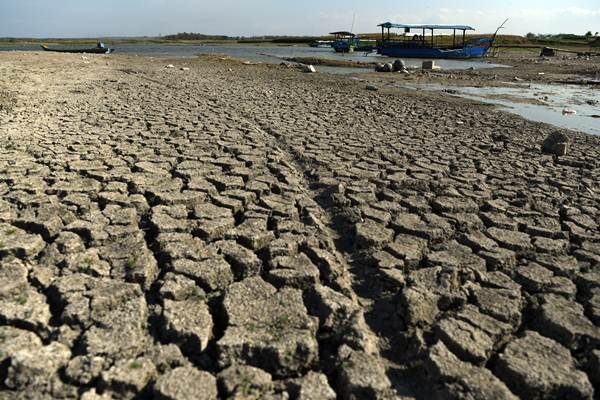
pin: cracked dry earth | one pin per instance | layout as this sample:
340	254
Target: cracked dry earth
239	231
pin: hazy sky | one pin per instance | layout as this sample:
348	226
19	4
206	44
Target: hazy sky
79	18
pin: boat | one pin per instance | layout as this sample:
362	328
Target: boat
420	45
99	49
366	45
321	43
347	42
344	42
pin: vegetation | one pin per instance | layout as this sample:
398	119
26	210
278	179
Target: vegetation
563	39
194	36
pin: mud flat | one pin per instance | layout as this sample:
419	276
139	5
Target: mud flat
242	231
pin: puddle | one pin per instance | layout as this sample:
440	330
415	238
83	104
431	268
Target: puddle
541	103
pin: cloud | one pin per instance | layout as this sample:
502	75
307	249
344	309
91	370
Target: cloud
558	11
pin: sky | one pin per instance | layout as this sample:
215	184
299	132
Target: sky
87	18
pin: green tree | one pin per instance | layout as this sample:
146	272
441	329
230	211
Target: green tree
589	34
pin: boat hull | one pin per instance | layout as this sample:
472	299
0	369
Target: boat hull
474	49
343	46
95	50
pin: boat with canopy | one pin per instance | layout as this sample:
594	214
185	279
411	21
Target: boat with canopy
423	42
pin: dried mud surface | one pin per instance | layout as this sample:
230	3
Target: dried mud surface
235	231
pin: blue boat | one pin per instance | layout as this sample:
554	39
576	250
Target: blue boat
420	45
344	42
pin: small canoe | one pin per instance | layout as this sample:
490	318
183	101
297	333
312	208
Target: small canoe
94	50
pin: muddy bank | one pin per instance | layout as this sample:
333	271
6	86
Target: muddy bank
332	63
523	70
232	231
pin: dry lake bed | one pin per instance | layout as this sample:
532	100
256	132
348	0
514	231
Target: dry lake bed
222	230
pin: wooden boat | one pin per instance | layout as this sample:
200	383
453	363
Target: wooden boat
344	42
422	46
321	43
94	50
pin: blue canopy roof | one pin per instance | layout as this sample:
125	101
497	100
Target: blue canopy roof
417	26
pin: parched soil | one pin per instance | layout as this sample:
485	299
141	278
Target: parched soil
242	231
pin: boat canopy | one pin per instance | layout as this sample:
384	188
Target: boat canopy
389	25
343	33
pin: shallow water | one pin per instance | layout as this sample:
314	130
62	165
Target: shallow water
266	53
542	103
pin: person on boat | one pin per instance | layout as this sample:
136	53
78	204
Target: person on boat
101	45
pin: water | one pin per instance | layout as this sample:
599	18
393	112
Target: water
263	53
541	103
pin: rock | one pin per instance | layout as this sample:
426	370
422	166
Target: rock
245	381
342	318
186	383
408	248
421	306
129	376
463	380
456	256
211	274
503	304
252	233
385	67
372	88
449	204
13	340
512	240
188	323
35	367
178	287
244	262
166	357
537	367
430	65
85	369
556	143
92	394
313	386
18	243
360	375
114	314
398	66
281	341
294	271
371	234
309	69
469	342
20	303
564	321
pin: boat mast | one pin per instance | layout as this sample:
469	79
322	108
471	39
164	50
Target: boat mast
497	30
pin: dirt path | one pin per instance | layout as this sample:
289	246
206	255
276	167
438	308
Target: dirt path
242	231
